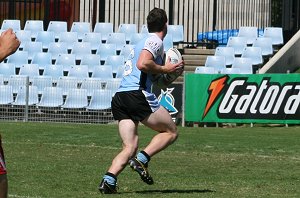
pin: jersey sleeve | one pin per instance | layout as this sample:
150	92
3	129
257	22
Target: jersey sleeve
155	46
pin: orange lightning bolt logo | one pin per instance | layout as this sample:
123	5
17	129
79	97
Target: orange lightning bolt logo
215	88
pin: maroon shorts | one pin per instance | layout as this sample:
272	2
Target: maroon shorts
2	161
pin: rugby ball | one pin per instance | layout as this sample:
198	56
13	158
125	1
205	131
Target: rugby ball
174	55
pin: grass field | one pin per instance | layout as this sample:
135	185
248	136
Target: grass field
69	160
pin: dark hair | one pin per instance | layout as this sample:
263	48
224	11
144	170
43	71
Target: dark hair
156	20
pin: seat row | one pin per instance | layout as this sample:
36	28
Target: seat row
216	64
127	32
53	97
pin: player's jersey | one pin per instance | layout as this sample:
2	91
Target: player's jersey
135	79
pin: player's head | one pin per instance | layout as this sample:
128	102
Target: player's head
157	20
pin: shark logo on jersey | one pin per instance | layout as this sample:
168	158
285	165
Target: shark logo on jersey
167	100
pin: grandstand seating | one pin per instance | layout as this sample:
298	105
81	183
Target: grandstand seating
76	99
34	26
249	32
217	62
57	27
254	53
6	93
104	29
244	64
275	33
15	24
81	28
32	96
205	70
51	97
100	100
128	30
227	52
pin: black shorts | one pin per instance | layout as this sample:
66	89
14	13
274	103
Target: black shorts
135	105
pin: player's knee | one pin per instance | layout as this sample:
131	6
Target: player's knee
130	149
173	134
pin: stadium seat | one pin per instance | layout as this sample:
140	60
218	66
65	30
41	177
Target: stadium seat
118	39
1	79
217	62
34	26
104	29
81	49
177	33
238	43
137	37
254	53
18	58
32	96
76	99
15	81
91	84
67	82
81	28
14	24
45	37
120	71
32	48
94	39
106	50
103	72
66	60
227	52
42	59
54	71
79	71
7	69
244	64
6	95
91	60
100	100
29	70
265	44
69	38
51	97
275	33
205	70
41	82
128	30
248	32
56	48
115	61
57	27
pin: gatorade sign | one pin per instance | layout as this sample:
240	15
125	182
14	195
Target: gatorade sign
243	98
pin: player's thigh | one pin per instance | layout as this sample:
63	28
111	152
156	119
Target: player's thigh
128	132
160	121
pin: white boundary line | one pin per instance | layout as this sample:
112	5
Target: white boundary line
21	196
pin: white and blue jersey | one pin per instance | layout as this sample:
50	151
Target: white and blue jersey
135	79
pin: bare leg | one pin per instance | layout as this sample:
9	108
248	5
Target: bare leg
162	122
128	133
3	186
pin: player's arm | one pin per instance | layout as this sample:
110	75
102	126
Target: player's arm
146	64
8	44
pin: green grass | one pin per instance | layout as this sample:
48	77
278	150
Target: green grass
69	160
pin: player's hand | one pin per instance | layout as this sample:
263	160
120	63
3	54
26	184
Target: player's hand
9	42
170	67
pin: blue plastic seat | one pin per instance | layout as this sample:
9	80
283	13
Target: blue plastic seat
106	50
238	43
67	83
275	33
18	58
41	82
34	26
177	32
91	60
69	38
6	95
79	71
14	24
7	69
232	70
76	99
45	37
244	64
117	38
93	38
137	37
249	32
32	96
56	48
168	42
91	84
265	44
104	29
128	30
254	53
144	29
52	97
81	28
54	71
57	27
66	60
103	72
127	50
29	70
42	59
227	52
217	62
32	48
81	49
100	100
24	36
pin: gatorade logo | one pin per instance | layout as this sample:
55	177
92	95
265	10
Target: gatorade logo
250	100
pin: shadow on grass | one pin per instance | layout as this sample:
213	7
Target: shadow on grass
176	191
